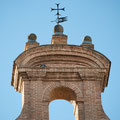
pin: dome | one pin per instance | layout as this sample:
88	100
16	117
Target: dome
58	29
87	39
32	36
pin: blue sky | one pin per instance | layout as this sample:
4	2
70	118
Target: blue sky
99	19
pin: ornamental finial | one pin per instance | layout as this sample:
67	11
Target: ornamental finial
59	19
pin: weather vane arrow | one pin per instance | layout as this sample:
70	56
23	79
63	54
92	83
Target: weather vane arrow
59	19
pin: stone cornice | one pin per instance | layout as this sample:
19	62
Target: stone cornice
65	74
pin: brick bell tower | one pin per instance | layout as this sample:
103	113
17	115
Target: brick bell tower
78	74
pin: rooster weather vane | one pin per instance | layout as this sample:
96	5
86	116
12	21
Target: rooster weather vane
59	19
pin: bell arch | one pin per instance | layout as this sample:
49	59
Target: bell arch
66	91
50	88
62	93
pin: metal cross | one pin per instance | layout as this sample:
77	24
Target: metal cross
59	19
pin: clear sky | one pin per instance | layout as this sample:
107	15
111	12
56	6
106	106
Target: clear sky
99	19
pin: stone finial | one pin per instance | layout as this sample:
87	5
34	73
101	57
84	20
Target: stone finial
59	37
87	40
31	41
87	43
32	37
58	29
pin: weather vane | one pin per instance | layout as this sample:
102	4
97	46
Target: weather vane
59	19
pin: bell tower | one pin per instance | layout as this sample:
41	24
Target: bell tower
76	73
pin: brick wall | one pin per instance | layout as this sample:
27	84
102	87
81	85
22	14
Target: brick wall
75	74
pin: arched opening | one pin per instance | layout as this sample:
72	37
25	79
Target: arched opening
62	104
61	110
63	93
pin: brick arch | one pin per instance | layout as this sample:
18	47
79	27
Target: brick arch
52	86
64	59
99	60
88	57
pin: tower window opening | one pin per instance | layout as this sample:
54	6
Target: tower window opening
61	110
